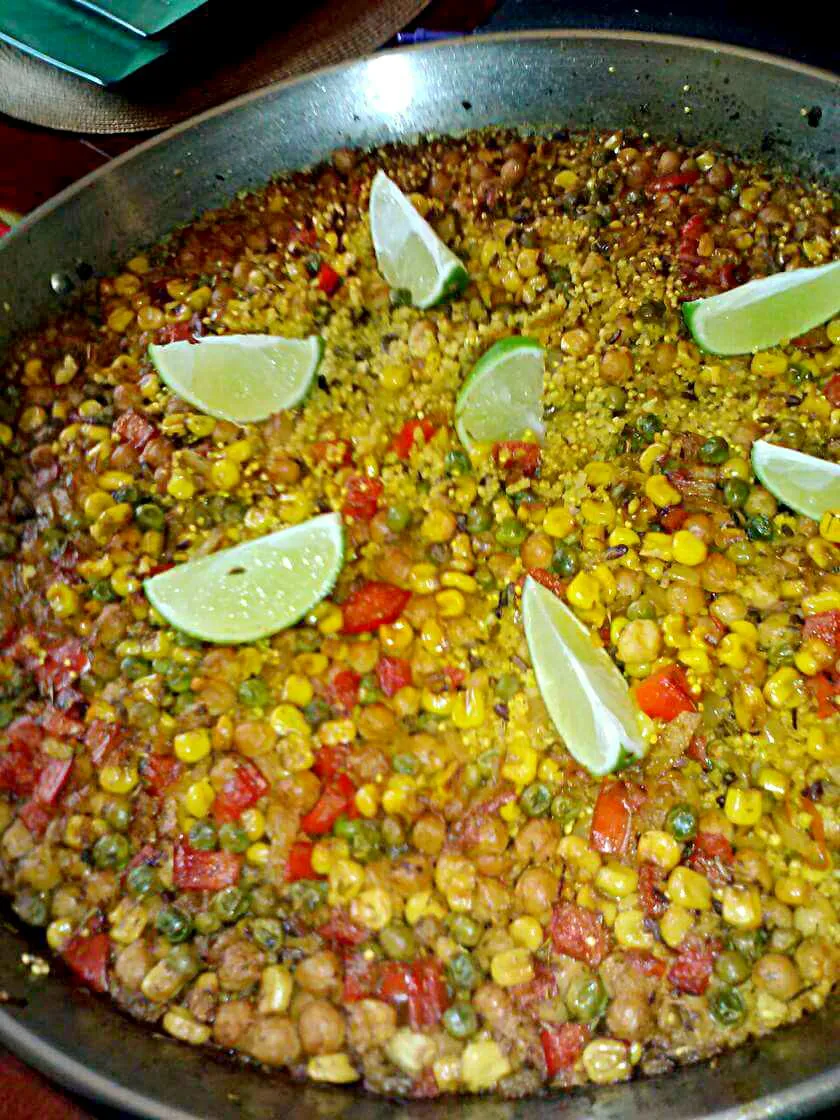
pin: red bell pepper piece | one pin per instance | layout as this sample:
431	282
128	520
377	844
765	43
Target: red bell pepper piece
562	1045
712	855
362	498
651	894
87	957
831	389
404	440
393	673
673	518
550	580
612	819
692	969
337	799
52	780
133	427
518	455
359	978
340	930
299	862
61	666
194	870
825	687
580	933
665	694
825	626
645	963
671	182
328	279
159	772
330	761
59	725
343	690
420	986
334	452
102	738
176	332
240	791
373	605
36	816
25	734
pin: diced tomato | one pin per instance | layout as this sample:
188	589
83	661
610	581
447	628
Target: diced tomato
61	666
330	761
340	930
36	816
359	978
712	856
362	498
692	969
832	390
299	862
393	673
240	791
455	676
337	799
159	772
645	963
102	738
374	604
665	693
691	233
403	441
550	580
343	690
59	725
825	626
612	819
671	182
25	734
651	894
562	1045
328	279
730	276
825	687
194	870
87	957
520	456
176	332
133	427
673	518
334	452
52	780
419	986
580	933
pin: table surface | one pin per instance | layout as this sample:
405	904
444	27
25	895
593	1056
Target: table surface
36	163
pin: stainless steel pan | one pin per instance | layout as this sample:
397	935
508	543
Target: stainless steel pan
748	102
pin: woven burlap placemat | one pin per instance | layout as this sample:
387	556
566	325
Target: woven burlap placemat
229	60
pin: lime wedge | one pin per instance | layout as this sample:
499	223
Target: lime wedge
409	253
763	313
502	395
586	696
254	589
805	484
240	377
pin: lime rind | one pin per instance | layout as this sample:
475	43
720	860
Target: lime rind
762	313
586	696
501	397
409	253
241	378
252	590
807	485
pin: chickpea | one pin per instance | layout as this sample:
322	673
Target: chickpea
728	608
537	841
577	342
718	573
376	721
537	551
640	640
512	172
321	1028
440	184
344	160
777	975
685	598
669	162
817	960
616	366
132	965
494	1004
254	737
241	966
629	1016
232	1020
272	1040
319	974
536	890
663	358
372	1024
429	834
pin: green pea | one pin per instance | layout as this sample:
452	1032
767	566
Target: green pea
485	579
345	828
369	691
790	433
398	941
565	809
641	608
142	880
179	679
203	836
566	560
52	539
263	900
726	1007
648	426
714	451
393	833
651	310
759	528
268	933
398	517
401	297
316	712
479	519
7	714
800	375
511	533
732	967
535	800
460	1020
741	553
466	930
111	850
781	653
129	494
103	592
150	516
405	764
488	763
307	640
134	668
207	922
735	492
615	398
462	971
183	960
586	998
457	462
560	276
233	838
749	942
507	686
367	842
254	693
8	543
229	904
174	924
118	815
682	822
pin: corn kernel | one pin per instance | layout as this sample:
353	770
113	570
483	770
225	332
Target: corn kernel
696	659
732	651
617	625
598	513
326	853
346	878
367	800
59	933
459	581
180	486
253	822
660	848
826	600
468	710
743	806
651	456
584	592
785	689
483	1065
395	377
688	549
773	781
436	703
566	180
286	719
118	779
372	909
512	967
574	850
616	880
199	798
192	746
769	364
527	933
423	904
331	621
630	931
661	492
225	474
621	536
813	656
521	761
120	319
124	582
689	889
674	924
742	907
128	920
96	504
63	600
335	1069
311	664
257	854
396	637
822	553
438	526
658	545
423	579
275	990
830	526
451	603
336	731
558	522
297	690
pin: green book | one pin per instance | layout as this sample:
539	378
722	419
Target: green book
143	17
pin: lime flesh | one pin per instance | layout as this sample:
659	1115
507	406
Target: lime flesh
501	398
805	484
765	312
254	589
240	377
585	694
